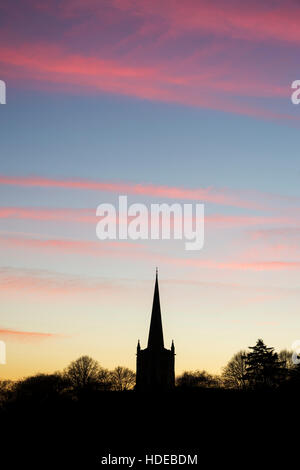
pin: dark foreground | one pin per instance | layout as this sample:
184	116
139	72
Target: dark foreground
224	427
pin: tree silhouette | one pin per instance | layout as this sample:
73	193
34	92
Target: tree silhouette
40	387
200	379
6	390
234	372
122	379
285	359
86	373
262	366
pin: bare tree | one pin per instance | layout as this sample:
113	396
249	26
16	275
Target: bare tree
122	379
85	372
104	379
285	359
234	373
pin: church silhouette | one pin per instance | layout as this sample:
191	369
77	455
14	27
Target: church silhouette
155	364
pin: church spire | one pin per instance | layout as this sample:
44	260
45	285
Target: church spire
156	338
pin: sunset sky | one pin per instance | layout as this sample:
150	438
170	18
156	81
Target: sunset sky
164	101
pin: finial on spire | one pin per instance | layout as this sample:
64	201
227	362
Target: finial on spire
156	271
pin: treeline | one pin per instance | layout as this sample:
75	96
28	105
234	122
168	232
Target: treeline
80	379
260	368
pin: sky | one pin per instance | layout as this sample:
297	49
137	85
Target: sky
163	101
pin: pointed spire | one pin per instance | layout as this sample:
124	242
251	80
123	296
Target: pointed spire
156	338
138	346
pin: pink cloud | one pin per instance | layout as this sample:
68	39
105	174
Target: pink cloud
236	265
216	196
260	265
54	283
202	85
67	246
88	216
51	283
25	335
278	233
138	252
196	53
255	21
229	221
46	214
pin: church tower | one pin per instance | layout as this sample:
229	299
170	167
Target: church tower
155	364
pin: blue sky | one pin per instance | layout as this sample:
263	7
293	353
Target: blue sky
192	106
